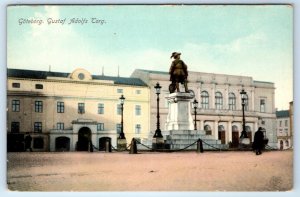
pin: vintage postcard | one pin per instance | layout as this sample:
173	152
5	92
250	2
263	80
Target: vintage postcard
150	98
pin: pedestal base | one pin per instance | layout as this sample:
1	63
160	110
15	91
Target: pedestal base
179	116
121	144
245	141
158	143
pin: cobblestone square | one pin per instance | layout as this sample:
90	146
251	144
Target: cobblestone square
149	171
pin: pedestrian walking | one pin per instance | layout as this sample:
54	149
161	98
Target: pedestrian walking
28	140
258	143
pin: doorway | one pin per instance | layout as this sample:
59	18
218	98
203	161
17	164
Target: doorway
62	144
84	139
102	142
221	134
235	136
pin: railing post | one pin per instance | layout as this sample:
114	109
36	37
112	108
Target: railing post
133	148
199	146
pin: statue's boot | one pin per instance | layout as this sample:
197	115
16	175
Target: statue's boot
177	87
185	87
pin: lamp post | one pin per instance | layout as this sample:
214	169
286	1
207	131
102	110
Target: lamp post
122	135
243	95
195	106
158	131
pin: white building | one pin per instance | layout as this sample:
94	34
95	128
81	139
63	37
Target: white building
283	129
220	110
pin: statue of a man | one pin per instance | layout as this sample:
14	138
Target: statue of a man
178	73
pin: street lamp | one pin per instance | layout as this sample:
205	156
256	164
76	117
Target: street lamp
244	97
122	135
158	131
195	106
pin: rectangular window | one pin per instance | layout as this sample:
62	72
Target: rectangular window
118	128
39	86
262	105
39	106
137	129
119	109
119	90
138	91
60	126
280	123
60	107
100	108
15	127
137	110
37	127
16	105
81	109
16	85
285	123
100	127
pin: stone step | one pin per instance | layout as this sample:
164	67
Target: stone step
196	137
185	132
194	147
187	141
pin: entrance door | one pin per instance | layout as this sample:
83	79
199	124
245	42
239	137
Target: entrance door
102	142
281	145
221	134
235	136
84	139
62	144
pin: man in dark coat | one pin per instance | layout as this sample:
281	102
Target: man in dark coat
178	72
258	143
28	140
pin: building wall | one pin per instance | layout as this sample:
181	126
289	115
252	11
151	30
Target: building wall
198	82
71	92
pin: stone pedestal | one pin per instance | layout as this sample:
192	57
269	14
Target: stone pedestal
245	141
179	116
121	144
158	143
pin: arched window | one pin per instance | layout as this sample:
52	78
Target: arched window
219	100
235	128
204	100
232	101
221	128
207	129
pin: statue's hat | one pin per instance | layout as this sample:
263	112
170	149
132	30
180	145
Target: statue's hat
174	54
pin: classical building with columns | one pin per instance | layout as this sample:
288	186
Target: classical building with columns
69	111
220	110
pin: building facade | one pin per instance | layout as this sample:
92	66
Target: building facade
220	110
283	129
69	111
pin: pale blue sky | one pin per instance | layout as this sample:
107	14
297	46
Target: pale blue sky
254	41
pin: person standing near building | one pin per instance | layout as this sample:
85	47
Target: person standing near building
28	140
258	143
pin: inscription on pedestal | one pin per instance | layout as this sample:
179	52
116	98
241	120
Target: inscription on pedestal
121	144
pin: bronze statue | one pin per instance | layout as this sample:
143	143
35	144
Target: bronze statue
178	73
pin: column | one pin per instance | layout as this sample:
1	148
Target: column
252	101
212	95
216	130
201	125
229	129
255	126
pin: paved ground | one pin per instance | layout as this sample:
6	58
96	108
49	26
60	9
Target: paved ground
185	171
